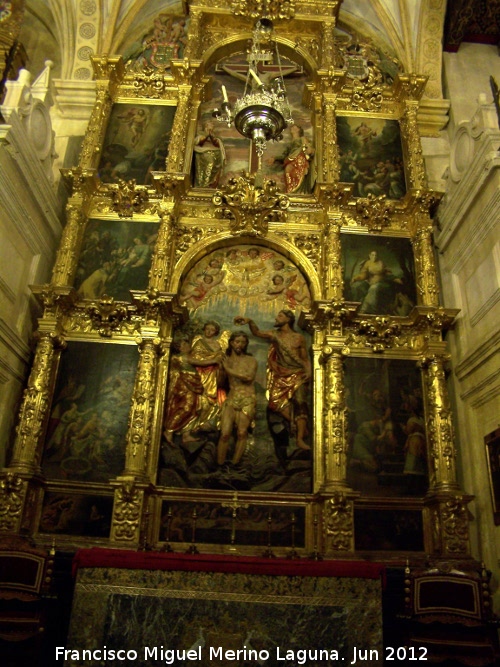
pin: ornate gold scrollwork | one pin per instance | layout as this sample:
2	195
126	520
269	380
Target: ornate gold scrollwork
129	498
269	9
338	522
249	207
375	212
128	198
378	334
454	521
106	315
12	493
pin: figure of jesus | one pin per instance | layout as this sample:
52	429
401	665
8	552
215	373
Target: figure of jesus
238	410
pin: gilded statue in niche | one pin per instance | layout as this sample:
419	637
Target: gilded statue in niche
136	142
237	412
379	272
290	162
371	156
386	427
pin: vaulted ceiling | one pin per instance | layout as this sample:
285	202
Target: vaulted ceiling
69	32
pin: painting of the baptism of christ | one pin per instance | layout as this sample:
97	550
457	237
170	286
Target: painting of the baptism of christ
238	405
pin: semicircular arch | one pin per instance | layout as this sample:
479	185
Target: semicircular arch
239	44
224	240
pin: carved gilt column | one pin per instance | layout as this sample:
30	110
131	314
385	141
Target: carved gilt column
35	406
177	147
132	489
66	261
428	290
20	482
162	260
411	134
194	34
439	426
108	74
141	414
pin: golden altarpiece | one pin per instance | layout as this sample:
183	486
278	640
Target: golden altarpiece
179	243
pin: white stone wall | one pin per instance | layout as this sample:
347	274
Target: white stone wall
468	240
30	228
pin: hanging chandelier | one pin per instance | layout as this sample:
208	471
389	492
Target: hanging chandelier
263	113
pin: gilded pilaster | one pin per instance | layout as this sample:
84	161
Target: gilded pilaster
427	284
194	35
328	44
161	263
331	165
177	146
411	134
35	407
142	412
67	255
332	269
335	443
108	74
439	426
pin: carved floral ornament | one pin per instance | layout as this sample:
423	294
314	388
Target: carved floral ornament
249	207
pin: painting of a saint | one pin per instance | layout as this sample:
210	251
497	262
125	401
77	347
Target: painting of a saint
386	427
241	419
136	142
115	258
379	273
371	156
85	438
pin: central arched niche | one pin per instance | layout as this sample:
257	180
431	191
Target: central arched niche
221	153
251	281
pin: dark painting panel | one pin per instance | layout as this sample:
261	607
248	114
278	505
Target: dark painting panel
136	142
224	625
388	530
232	522
269	442
371	156
221	153
76	514
379	272
115	258
88	420
387	453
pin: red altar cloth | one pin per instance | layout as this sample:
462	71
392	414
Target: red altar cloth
141	560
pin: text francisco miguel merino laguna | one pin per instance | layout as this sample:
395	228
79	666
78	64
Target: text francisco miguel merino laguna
169	656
